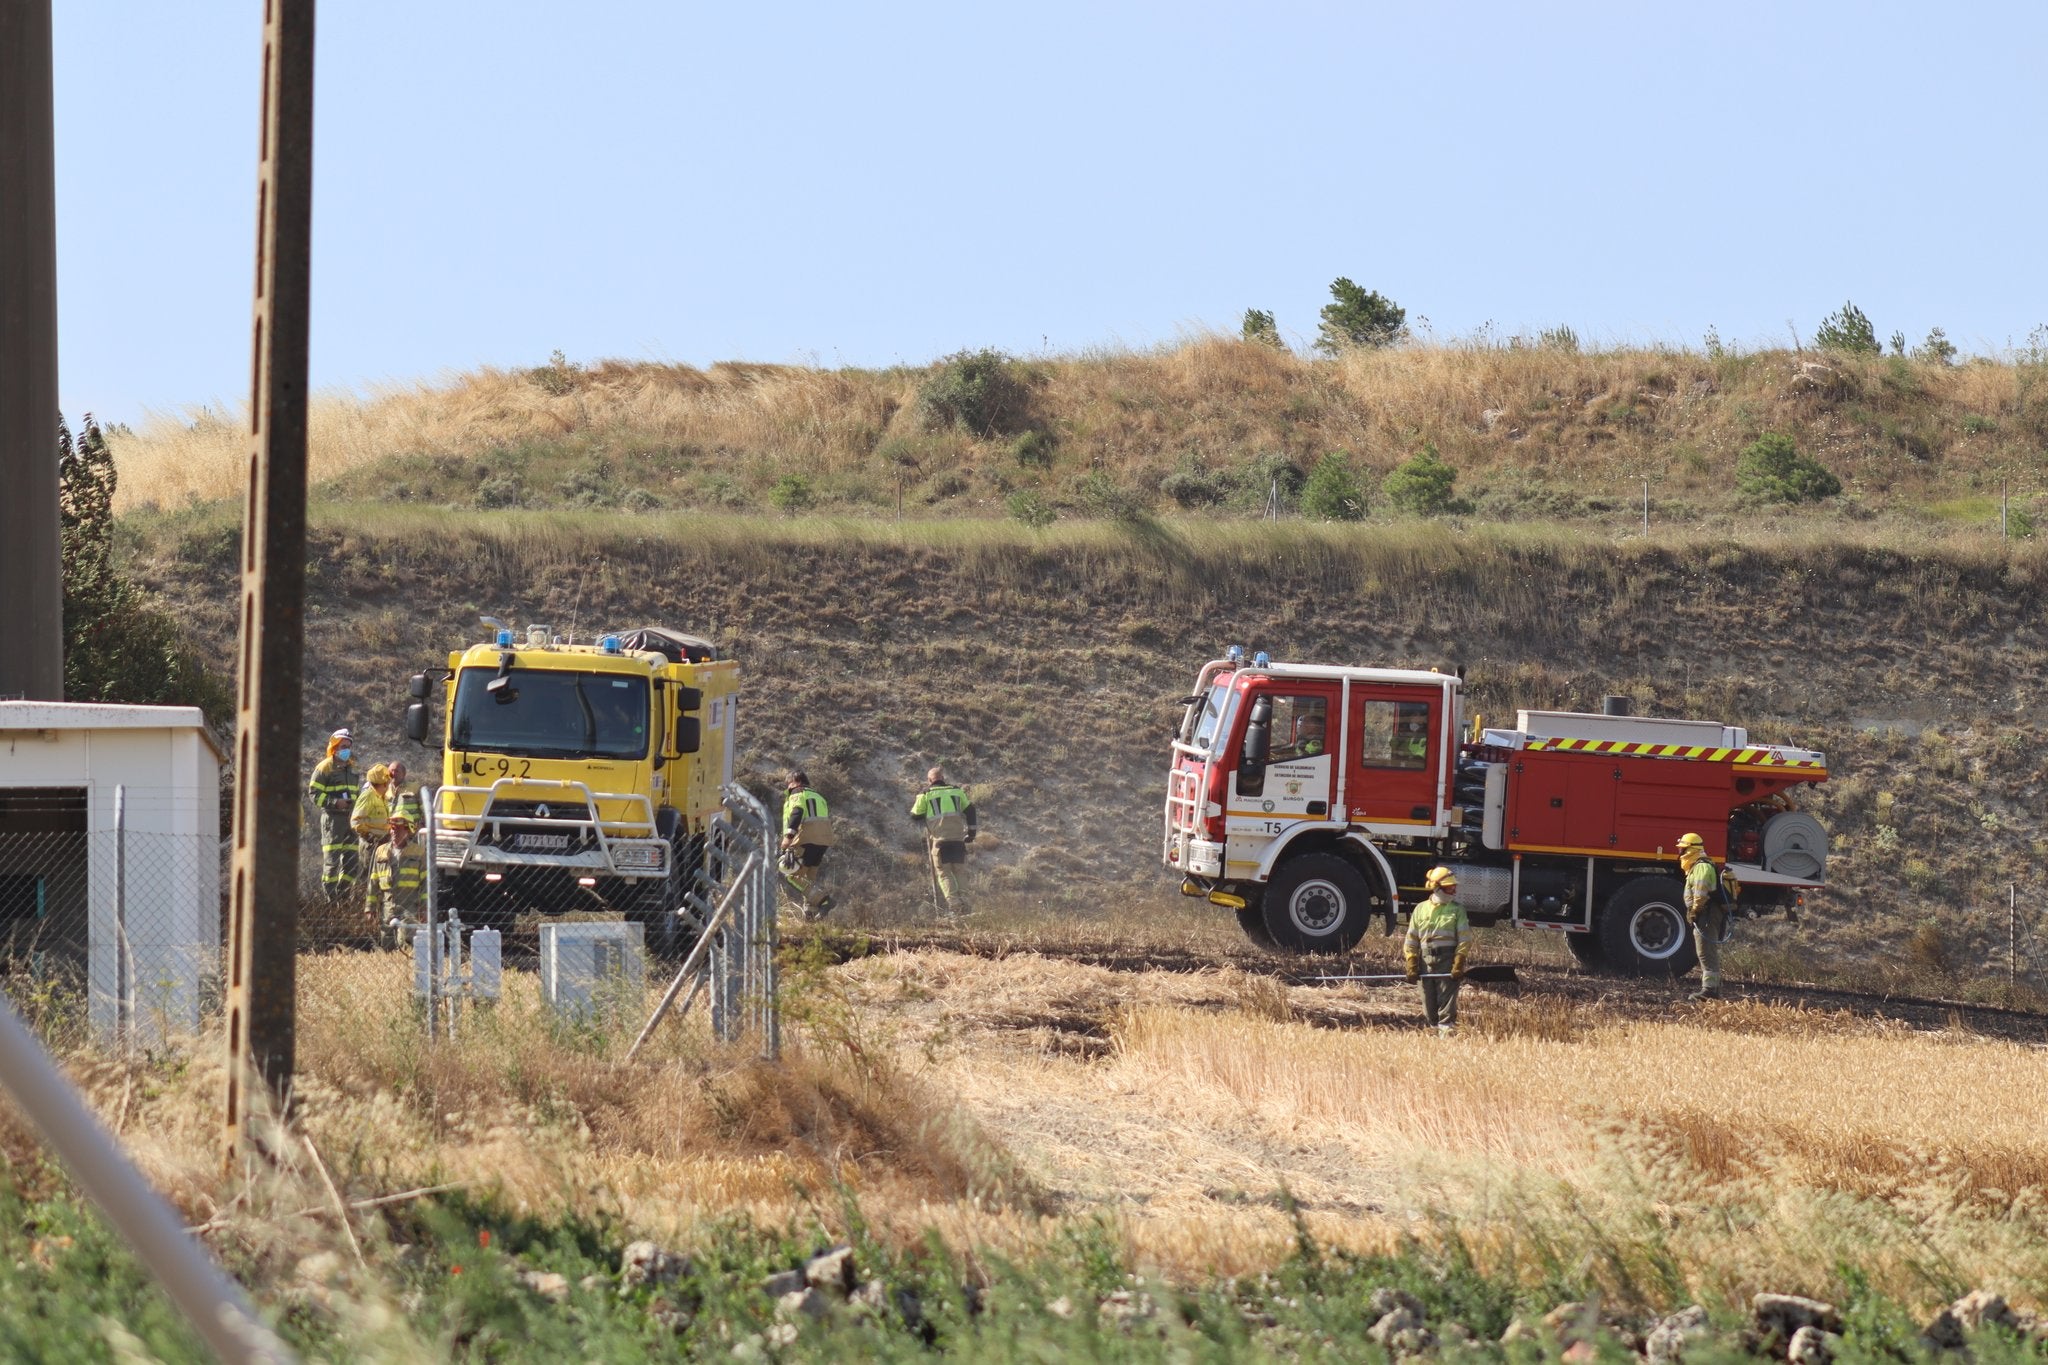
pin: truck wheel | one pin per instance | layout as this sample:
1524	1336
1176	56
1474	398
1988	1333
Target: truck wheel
1252	919
1317	903
1585	949
1643	931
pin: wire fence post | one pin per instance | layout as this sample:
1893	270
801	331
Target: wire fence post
2012	930
124	958
428	800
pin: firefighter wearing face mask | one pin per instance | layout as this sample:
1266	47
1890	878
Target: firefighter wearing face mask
1439	935
1704	911
332	788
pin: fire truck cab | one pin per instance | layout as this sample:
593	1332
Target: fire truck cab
1312	799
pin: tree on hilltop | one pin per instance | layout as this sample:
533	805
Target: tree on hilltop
1357	317
1847	330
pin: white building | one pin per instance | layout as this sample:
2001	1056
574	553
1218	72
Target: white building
110	858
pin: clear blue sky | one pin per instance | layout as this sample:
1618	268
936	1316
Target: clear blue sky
881	184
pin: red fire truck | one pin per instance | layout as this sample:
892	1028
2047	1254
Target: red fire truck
1311	799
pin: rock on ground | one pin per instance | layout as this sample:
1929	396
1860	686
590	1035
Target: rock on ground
644	1263
1812	1346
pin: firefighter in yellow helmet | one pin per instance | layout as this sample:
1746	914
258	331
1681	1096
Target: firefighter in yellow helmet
371	819
1439	935
1704	911
947	815
332	788
806	835
399	874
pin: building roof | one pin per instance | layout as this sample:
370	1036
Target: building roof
94	715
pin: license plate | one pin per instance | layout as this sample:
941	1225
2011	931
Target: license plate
544	841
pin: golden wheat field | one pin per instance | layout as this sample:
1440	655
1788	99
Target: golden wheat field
1001	1099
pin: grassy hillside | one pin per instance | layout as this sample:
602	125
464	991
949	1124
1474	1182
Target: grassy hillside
1042	666
1205	425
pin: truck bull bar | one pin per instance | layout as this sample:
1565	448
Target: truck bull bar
631	847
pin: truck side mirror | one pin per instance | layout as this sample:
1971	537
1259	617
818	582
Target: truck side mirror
1258	734
689	698
689	735
418	686
416	720
1256	749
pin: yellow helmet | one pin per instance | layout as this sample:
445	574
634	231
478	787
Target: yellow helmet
378	775
1686	841
1440	878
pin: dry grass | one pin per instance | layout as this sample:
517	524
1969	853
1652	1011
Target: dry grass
1585	425
1756	1147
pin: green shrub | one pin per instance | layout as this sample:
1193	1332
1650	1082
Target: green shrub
589	485
977	391
640	500
1847	330
557	377
1034	449
1356	317
1937	348
1425	485
1026	505
1193	484
1259	327
1333	492
1976	424
1270	479
1773	470
792	493
1099	494
503	490
1560	338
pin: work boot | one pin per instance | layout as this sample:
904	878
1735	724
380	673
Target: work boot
1706	993
818	909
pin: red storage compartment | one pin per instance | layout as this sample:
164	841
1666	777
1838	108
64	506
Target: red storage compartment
1604	804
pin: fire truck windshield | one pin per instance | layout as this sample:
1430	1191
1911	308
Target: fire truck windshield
551	714
1211	718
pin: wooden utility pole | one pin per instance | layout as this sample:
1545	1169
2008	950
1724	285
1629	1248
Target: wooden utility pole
31	560
264	895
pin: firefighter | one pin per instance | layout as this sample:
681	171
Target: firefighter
1411	742
371	820
333	790
403	800
1704	911
945	812
1439	936
398	872
803	856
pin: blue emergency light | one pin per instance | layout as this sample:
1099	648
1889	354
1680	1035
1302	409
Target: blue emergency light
1235	654
610	644
504	637
1261	659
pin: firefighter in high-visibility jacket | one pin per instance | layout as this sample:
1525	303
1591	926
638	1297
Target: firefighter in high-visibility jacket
371	820
333	790
404	800
399	874
948	819
1704	911
1439	935
806	834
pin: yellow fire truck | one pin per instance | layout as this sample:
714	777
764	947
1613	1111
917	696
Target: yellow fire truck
578	777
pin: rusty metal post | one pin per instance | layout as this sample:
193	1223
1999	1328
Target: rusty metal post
264	915
31	564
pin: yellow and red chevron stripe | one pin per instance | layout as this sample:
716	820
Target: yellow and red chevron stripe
1755	756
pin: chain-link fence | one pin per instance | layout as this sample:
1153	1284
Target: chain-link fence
116	936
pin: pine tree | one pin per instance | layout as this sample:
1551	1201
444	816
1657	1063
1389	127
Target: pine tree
1357	317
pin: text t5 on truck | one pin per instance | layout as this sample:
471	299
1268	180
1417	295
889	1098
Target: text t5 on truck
1312	799
579	777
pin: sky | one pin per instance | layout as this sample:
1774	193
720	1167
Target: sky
884	184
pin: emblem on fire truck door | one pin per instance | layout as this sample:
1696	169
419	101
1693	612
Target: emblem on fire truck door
1294	787
1266	805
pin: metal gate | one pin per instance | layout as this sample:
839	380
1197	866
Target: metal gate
734	902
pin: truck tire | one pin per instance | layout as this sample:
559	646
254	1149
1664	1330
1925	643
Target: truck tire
1252	919
1585	949
1642	929
1317	903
